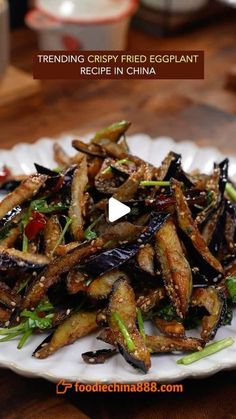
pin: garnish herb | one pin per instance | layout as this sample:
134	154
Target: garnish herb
231	287
154	183
63	233
140	323
89	234
210	349
124	331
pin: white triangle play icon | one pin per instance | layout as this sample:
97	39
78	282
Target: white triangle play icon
116	209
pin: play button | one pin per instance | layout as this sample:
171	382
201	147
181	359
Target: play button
116	209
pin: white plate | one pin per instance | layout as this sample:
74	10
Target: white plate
67	362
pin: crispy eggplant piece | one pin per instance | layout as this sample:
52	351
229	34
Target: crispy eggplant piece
188	226
5	315
76	326
113	132
145	258
13	258
98	357
106	335
129	188
121	232
175	267
169	328
9	186
214	301
215	186
90	149
11	238
60	156
79	183
230	226
101	287
63	249
7	296
44	170
114	258
51	275
150	298
160	344
102	317
10	216
26	190
171	168
52	233
122	302
75	281
106	182
113	149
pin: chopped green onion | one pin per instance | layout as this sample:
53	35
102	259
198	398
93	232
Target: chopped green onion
10	337
68	223
208	350
124	161
154	183
231	287
24	338
140	323
123	329
107	170
231	191
89	234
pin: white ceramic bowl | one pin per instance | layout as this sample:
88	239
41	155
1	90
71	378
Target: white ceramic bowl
86	24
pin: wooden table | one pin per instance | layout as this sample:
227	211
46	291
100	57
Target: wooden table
155	107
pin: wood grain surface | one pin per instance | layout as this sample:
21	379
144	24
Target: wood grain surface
203	111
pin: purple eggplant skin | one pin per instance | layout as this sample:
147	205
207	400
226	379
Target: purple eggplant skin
44	170
9	186
217	237
205	270
175	170
10	262
44	342
224	167
134	362
98	357
10	216
114	258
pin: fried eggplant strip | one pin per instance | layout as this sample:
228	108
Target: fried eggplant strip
101	287
52	234
7	297
60	156
55	269
214	301
79	183
160	344
26	190
13	258
189	227
150	299
145	258
170	328
175	267
122	302
76	326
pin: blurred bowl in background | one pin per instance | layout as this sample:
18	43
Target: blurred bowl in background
4	37
85	24
175	6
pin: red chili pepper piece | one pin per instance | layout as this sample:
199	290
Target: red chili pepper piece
35	225
4	173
